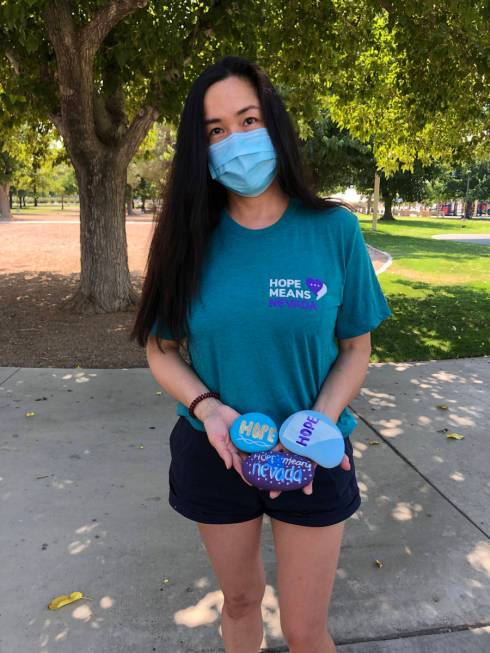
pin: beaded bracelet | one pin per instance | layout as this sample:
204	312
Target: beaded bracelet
195	401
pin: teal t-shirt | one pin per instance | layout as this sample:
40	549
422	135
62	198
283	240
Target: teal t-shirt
272	304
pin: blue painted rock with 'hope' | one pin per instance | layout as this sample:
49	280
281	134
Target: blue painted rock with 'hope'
314	435
254	432
277	470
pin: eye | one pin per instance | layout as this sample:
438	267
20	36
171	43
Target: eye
250	118
212	132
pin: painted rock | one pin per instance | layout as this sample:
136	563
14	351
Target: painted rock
277	470
254	432
314	435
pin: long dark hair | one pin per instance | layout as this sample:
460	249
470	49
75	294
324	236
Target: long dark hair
192	200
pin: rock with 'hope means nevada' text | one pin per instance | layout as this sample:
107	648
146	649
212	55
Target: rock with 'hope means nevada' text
278	470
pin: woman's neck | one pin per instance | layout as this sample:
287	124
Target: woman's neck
258	212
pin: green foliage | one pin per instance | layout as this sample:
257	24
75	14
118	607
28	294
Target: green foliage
409	79
335	159
152	161
470	181
408	185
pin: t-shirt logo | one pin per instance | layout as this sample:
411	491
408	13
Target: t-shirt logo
291	293
317	287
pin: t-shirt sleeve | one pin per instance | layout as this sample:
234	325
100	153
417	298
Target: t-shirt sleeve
161	331
363	305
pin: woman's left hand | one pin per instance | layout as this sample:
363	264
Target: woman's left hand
308	489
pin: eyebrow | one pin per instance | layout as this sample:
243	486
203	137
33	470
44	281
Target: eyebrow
250	106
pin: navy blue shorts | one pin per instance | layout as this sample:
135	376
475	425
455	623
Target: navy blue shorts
202	489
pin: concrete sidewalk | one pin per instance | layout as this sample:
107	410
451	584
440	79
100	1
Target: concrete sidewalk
84	507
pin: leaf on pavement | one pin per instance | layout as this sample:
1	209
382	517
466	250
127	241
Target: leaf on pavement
59	601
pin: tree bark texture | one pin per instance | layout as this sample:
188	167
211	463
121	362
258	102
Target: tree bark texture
5	213
105	284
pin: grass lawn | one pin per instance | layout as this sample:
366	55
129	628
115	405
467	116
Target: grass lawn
439	291
40	208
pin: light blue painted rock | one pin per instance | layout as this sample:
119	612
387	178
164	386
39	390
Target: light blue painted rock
253	432
277	470
314	435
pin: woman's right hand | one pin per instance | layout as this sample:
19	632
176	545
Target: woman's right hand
217	422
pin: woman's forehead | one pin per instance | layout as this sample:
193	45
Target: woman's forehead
226	97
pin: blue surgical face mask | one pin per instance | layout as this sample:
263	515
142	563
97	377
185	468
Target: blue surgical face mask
244	162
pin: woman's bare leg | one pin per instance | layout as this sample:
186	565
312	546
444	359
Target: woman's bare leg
307	559
235	554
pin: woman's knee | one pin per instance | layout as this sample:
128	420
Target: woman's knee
240	603
304	637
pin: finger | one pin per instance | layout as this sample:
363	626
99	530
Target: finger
308	489
273	494
345	464
237	465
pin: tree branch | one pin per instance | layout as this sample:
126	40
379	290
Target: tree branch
137	130
13	61
57	122
74	77
111	121
105	19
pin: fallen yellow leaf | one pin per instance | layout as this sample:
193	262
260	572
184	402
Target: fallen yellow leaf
378	563
59	601
455	436
30	413
373	442
442	406
158	392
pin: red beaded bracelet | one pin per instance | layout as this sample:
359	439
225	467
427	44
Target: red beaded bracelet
195	401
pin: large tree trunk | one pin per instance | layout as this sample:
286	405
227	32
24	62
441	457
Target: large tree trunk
100	143
5	213
105	284
388	214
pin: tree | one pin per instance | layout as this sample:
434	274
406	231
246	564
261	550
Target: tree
105	70
103	73
468	181
7	168
415	81
33	149
407	185
62	181
335	159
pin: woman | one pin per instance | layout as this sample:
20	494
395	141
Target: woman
272	291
